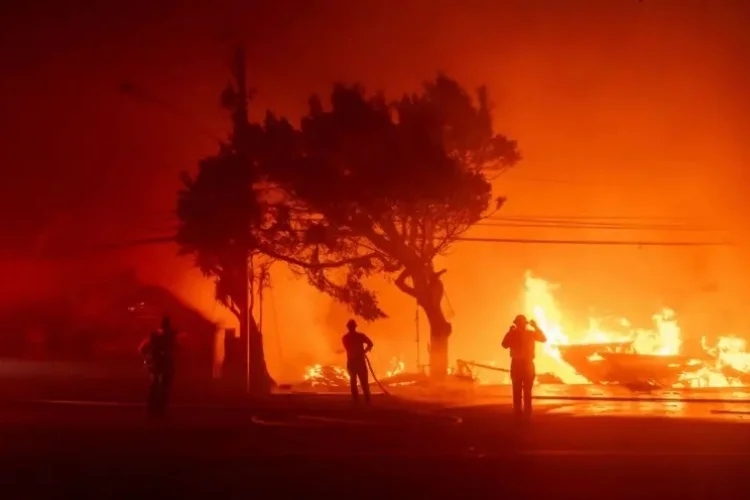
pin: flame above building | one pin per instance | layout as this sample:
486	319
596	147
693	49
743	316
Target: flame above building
725	362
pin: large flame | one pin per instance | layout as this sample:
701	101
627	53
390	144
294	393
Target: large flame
664	339
724	364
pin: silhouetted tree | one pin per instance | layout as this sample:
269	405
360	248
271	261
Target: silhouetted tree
386	187
236	224
217	208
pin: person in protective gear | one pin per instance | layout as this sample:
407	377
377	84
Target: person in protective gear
357	346
158	353
521	339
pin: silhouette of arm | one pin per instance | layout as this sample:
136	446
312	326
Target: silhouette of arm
368	343
539	335
508	339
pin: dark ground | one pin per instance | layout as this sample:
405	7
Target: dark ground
213	446
394	449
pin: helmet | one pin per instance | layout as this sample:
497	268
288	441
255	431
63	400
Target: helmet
351	324
520	320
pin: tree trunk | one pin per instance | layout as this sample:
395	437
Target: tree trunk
440	330
260	380
256	378
427	288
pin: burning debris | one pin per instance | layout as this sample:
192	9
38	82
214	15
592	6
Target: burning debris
635	358
618	363
335	378
329	377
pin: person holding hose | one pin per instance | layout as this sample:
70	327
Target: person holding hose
357	346
521	339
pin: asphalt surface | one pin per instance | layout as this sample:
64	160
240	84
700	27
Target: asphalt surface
315	446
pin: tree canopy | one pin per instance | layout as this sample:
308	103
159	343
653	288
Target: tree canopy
397	182
362	186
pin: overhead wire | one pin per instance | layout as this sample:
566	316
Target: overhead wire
591	225
588	217
166	238
642	243
167	223
525	221
139	94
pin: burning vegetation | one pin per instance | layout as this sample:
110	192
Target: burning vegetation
624	355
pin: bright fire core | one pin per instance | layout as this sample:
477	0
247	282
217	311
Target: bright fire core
724	362
663	339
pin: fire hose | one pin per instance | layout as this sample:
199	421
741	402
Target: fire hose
306	420
375	377
456	420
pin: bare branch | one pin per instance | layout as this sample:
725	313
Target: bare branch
363	260
401	284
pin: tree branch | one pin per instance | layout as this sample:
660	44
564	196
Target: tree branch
401	284
362	259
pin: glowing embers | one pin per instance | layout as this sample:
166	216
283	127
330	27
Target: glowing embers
630	356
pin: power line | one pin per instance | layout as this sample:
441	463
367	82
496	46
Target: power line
533	241
586	217
133	91
527	241
585	225
602	220
582	225
109	247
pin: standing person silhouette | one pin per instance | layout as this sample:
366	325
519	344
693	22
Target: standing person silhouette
357	346
158	352
521	339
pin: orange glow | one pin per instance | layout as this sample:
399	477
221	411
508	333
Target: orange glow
318	374
619	109
664	338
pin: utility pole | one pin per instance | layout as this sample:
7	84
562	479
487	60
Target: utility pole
240	123
248	313
416	325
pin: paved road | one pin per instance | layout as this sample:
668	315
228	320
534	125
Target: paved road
59	450
638	409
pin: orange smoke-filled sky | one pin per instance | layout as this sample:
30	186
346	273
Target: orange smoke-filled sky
621	108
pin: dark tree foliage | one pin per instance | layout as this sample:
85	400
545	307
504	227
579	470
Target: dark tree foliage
220	213
236	223
362	187
386	187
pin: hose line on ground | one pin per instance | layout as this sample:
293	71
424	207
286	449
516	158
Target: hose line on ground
455	419
314	420
375	377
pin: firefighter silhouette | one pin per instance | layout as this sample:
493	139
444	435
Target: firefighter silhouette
158	352
521	339
357	346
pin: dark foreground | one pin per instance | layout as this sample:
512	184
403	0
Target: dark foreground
313	448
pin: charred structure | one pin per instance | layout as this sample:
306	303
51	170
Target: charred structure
619	363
